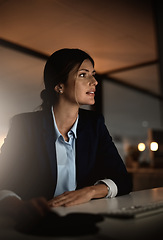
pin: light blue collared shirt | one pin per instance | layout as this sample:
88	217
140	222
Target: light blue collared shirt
65	154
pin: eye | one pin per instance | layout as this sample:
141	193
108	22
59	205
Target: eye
82	75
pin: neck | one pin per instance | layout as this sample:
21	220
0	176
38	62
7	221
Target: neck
65	117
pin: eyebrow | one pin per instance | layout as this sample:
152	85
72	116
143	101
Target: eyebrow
84	69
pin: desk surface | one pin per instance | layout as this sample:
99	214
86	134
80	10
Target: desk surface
110	228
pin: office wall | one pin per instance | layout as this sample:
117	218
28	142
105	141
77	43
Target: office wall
129	114
20	85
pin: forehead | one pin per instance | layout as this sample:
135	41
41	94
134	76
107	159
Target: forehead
86	64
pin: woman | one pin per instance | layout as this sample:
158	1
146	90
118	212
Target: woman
62	153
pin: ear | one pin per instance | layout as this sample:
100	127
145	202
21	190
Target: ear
59	88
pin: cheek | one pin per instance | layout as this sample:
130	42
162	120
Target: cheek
70	89
80	90
79	94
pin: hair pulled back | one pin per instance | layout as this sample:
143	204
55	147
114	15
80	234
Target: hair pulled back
56	71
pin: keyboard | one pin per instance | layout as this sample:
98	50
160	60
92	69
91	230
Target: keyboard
137	211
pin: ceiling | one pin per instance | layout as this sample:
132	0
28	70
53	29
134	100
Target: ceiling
119	35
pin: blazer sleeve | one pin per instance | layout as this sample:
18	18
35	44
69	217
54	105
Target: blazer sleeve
111	164
24	165
12	152
17	161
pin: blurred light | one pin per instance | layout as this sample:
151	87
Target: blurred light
1	141
154	146
145	124
141	147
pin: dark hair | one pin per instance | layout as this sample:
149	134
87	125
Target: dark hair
56	71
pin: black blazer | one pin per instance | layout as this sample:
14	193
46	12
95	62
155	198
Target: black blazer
28	158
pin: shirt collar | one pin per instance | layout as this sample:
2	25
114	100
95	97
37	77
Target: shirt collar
73	129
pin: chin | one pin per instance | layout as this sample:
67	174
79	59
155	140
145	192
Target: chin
92	102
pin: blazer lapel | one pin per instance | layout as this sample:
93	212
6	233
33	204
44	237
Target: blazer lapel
82	149
49	138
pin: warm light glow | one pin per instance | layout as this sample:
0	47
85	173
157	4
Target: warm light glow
141	147
1	141
154	146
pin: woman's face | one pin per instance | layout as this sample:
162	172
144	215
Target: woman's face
81	84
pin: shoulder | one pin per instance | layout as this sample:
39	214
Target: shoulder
28	122
27	118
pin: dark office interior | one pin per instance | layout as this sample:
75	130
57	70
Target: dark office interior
125	39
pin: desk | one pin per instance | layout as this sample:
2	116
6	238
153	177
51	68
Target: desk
144	228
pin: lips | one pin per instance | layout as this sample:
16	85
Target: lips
91	92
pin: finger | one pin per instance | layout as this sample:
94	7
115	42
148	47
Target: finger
76	201
60	202
60	198
65	199
63	195
70	200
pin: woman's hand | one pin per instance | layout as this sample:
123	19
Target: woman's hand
79	196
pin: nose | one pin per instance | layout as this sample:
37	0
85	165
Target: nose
93	81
